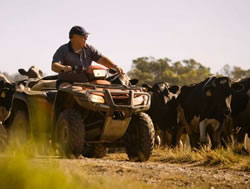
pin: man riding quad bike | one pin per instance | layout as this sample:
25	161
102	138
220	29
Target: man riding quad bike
87	117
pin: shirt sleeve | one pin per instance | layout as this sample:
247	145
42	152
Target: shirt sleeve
95	54
58	56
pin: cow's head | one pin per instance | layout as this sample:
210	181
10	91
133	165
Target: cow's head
160	92
117	78
33	72
218	90
6	92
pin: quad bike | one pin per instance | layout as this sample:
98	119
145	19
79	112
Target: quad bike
87	117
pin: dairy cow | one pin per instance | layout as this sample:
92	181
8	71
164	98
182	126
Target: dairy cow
163	110
241	108
202	108
6	92
4	78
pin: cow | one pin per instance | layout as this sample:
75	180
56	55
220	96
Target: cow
33	72
6	92
240	105
203	107
4	78
163	110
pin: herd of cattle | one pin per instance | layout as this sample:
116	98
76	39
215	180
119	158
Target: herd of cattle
216	108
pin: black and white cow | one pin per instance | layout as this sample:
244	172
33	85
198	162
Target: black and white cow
6	92
241	107
4	78
202	109
163	110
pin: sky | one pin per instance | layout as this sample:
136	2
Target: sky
213	32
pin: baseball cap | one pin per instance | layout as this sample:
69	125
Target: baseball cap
77	30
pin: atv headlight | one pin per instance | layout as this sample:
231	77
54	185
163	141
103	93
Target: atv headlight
96	98
100	73
138	100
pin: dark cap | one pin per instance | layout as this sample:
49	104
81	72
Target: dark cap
77	30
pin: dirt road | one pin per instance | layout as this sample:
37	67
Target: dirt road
159	173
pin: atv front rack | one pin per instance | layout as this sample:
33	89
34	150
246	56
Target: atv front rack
112	86
116	98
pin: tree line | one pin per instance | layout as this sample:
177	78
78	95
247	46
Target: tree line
150	70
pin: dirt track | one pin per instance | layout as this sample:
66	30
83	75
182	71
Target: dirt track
159	173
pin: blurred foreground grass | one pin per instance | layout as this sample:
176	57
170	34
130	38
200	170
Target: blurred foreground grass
19	170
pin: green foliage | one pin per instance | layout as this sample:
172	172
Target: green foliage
234	72
150	70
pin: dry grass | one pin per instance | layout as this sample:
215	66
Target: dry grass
234	157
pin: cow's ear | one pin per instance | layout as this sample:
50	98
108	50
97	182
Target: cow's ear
147	87
174	89
208	93
3	94
237	87
134	81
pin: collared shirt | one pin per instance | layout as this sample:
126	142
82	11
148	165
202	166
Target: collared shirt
68	57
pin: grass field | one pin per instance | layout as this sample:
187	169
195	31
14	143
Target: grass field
18	169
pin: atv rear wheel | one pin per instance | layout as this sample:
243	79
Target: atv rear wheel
95	151
19	128
70	132
139	138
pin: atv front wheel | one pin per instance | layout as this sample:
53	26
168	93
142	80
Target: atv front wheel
70	132
139	138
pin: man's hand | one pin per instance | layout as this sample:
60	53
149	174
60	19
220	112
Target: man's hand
118	69
67	69
109	64
59	68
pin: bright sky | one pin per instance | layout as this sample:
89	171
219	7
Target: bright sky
214	32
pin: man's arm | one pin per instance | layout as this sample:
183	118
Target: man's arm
109	64
58	67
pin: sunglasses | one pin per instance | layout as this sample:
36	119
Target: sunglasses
85	37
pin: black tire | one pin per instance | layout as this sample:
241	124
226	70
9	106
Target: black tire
18	129
3	138
95	151
139	138
70	133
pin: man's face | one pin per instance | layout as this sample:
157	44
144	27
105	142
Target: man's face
79	40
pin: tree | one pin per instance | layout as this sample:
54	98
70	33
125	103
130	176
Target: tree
150	70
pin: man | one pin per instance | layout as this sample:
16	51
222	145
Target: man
78	53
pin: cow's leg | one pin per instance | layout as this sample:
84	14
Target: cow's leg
203	132
168	137
227	134
177	136
215	139
215	132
